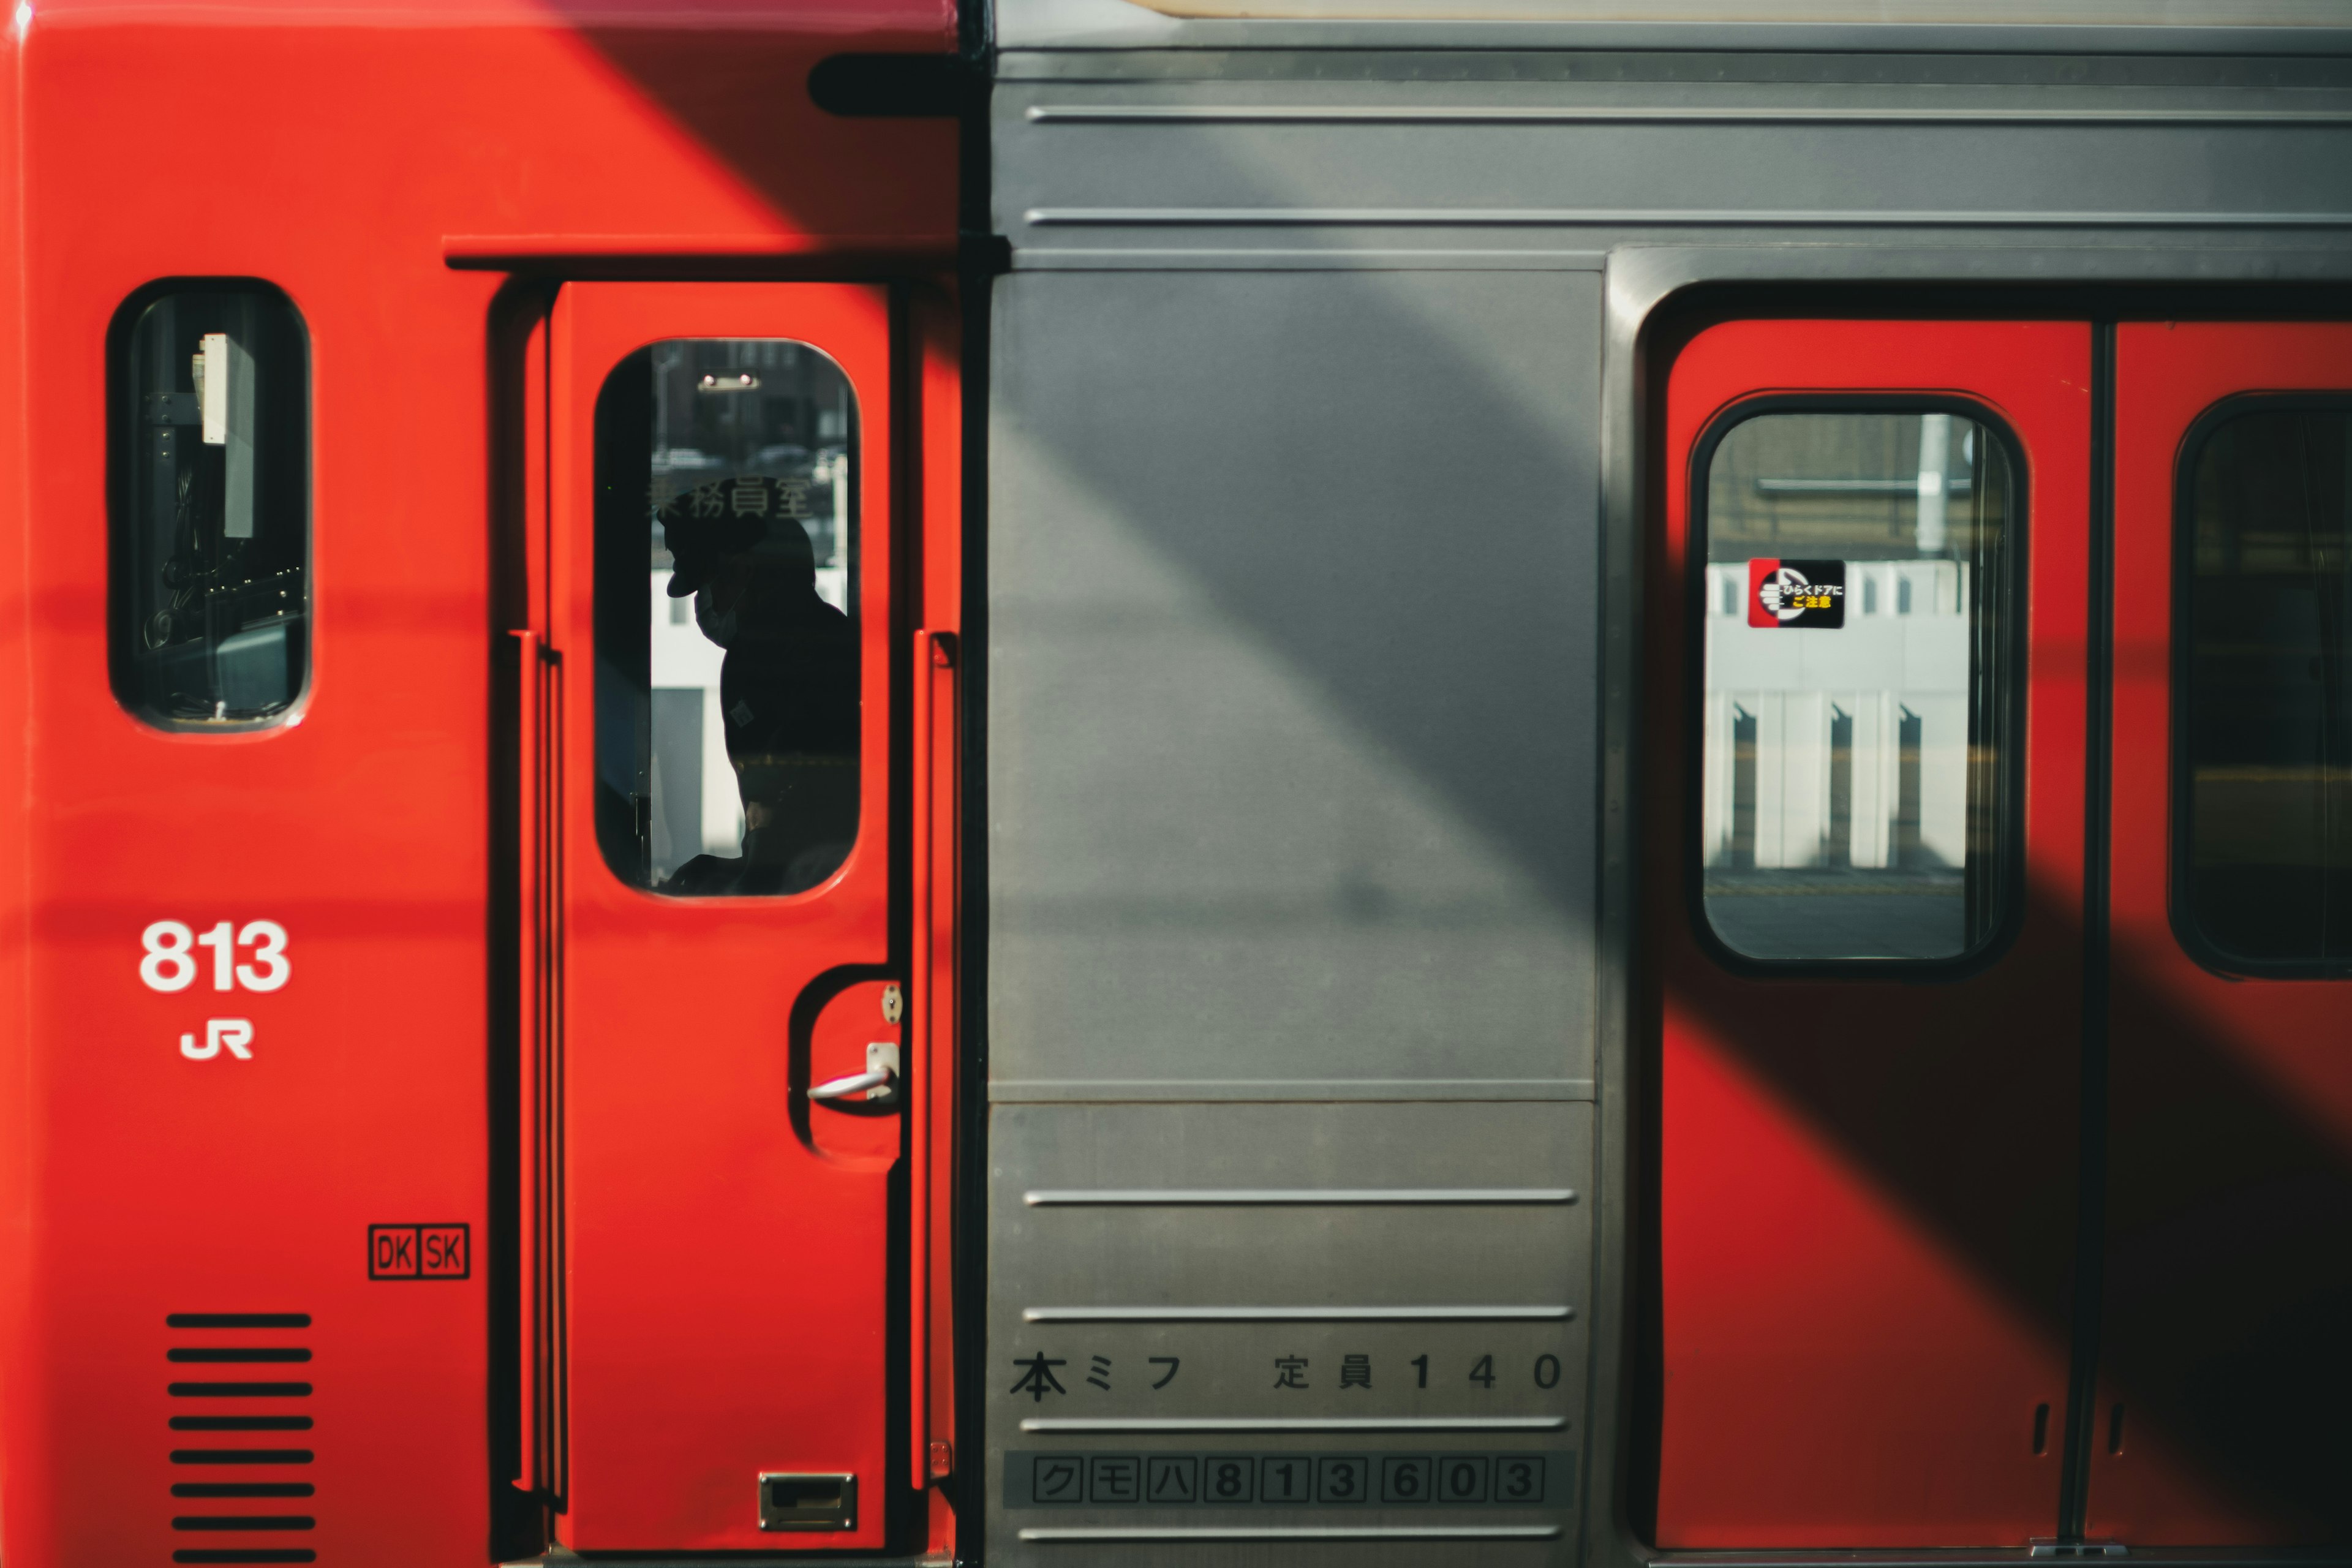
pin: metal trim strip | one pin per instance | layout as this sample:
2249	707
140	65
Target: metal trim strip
1097	32
1170	1197
1599	115
1069	1535
1073	1423
1665	217
1158	1091
1074	258
1524	1314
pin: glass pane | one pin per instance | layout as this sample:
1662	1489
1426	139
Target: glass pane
1855	696
2267	723
213	513
727	701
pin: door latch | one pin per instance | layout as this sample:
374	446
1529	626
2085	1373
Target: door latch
807	1502
878	1083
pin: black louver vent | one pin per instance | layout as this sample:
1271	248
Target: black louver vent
239	1426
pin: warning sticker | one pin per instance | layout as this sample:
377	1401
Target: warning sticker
1801	594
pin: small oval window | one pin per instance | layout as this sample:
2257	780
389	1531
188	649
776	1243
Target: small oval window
727	653
1857	729
212	506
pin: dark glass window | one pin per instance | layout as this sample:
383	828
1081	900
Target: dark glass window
2266	715
212	509
727	656
1856	700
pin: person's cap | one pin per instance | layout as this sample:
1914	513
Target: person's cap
707	525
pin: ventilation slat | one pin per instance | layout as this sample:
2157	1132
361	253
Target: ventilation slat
240	1423
235	1419
237	1320
241	1390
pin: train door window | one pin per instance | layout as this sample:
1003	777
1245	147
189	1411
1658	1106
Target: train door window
2266	675
727	677
1855	718
212	506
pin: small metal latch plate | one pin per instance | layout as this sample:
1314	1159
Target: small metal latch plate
790	1501
2049	1547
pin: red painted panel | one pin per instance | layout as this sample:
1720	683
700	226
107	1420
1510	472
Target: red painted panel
1867	1189
574	126
334	149
27	1479
936	859
154	1183
724	1297
163	1184
2229	1263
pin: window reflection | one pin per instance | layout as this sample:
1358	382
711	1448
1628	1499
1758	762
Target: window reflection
1853	701
728	659
213	511
2267	715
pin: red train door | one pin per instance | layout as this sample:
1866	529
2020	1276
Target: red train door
2225	1366
1864	886
710	720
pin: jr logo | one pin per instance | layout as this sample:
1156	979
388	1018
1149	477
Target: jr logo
236	1034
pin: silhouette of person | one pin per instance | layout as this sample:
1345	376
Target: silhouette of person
787	688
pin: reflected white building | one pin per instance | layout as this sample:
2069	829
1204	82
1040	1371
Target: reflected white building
1843	747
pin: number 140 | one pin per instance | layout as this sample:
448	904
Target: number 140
1482	1371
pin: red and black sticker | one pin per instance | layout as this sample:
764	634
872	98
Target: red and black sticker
420	1251
1802	593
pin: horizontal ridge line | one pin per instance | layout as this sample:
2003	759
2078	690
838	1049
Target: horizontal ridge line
1434	1314
1174	1197
1049	1535
1698	217
1140	1424
1600	114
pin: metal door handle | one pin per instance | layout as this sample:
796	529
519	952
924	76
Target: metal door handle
879	1081
842	1088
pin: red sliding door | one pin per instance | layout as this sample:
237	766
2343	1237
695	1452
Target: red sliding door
1864	880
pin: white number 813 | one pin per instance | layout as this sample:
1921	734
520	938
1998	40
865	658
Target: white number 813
171	961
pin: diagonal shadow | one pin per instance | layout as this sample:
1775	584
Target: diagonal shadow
2228	1278
1417	565
2217	1290
2226	1293
2229	1266
735	78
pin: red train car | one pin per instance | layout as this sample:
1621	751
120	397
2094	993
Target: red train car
1166	783
309	1195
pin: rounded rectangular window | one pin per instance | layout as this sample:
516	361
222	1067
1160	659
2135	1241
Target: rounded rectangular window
1857	700
212	506
2264	606
727	636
